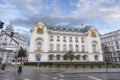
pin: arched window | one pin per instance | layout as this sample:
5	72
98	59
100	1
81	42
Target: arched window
39	46
77	57
64	29
51	47
96	57
76	30
94	48
58	29
85	57
51	57
58	57
70	30
64	57
52	29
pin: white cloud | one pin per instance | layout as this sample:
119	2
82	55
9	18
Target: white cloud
97	10
26	13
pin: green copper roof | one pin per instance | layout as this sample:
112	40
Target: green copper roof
69	29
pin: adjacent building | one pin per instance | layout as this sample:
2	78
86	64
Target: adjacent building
51	43
8	47
112	41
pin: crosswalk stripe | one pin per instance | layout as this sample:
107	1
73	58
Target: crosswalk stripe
61	75
26	79
94	78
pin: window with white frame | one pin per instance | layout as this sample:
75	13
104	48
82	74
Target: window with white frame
51	38
58	57
70	39
70	47
64	47
39	46
58	38
85	57
51	47
77	48
51	57
82	39
76	39
94	48
64	38
96	57
58	47
83	48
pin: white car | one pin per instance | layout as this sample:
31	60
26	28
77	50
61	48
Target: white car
13	63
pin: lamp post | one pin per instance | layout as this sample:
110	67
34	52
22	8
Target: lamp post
104	59
38	60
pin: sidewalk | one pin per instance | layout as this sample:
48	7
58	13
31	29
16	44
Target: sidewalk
28	69
78	70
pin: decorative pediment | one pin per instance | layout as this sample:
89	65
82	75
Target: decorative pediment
40	27
93	33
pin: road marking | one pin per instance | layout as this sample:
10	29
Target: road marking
55	78
26	79
61	75
50	77
94	78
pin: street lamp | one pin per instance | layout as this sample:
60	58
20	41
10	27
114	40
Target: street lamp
103	54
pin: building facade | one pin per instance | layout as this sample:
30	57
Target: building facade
112	41
8	46
51	43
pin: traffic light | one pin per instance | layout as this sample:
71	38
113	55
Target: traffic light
12	33
1	25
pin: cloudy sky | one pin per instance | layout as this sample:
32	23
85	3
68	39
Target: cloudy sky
23	14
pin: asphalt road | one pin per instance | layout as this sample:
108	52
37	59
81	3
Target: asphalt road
33	73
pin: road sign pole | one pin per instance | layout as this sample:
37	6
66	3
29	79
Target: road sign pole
38	60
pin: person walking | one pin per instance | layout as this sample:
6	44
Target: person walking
20	67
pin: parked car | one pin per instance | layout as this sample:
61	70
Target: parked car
13	63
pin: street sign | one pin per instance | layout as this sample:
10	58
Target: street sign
38	58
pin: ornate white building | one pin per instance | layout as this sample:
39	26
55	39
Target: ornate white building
112	41
51	43
8	47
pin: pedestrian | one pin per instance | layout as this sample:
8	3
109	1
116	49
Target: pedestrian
20	67
3	66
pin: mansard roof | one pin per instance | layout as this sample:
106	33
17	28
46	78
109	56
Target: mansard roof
69	29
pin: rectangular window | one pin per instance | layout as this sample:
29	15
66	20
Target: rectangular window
51	38
83	48
82	40
70	47
70	39
58	47
58	38
77	48
64	47
76	39
64	38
